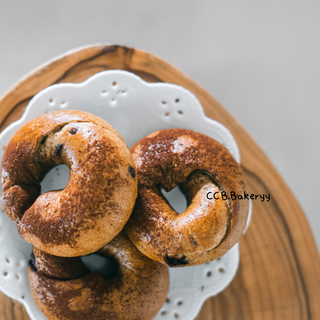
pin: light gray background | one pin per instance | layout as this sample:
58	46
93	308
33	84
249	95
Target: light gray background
260	59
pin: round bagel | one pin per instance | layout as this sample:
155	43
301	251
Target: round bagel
64	288
98	200
199	164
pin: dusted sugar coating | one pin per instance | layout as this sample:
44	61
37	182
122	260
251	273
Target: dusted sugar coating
98	200
198	164
64	289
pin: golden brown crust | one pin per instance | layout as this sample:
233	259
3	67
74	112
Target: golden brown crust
100	195
208	228
137	290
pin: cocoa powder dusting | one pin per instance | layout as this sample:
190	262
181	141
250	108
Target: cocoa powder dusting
136	291
95	157
166	159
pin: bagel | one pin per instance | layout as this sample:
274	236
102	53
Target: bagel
198	164
99	197
65	289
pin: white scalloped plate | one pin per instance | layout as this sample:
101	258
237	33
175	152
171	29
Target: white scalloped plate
135	108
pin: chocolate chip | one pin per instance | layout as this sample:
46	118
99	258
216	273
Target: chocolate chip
194	242
175	262
43	140
59	149
32	262
73	130
132	172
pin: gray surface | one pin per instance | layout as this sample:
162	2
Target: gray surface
260	59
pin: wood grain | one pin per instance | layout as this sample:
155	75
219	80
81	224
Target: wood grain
279	274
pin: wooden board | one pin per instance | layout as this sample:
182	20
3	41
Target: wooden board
279	274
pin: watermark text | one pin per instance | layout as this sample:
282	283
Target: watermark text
234	196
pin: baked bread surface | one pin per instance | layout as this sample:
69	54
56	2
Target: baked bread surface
64	289
100	195
199	164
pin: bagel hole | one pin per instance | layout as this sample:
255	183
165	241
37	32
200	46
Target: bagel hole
95	262
56	179
176	199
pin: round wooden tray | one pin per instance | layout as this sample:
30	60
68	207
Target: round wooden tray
279	274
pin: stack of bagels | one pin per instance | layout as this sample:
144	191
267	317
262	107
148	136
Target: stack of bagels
113	206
